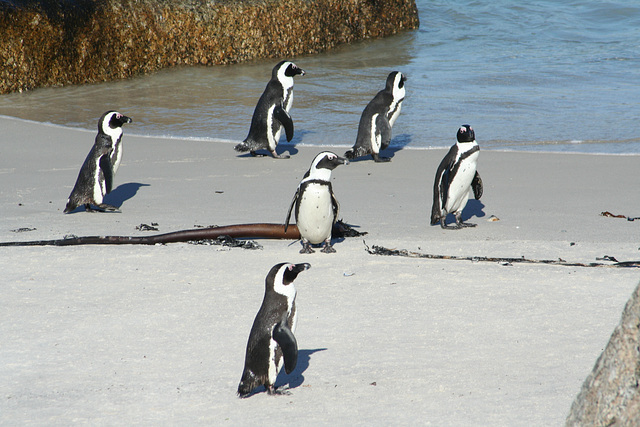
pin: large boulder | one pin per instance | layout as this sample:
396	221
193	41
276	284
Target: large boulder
609	395
49	43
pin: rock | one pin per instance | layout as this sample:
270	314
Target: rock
610	395
47	43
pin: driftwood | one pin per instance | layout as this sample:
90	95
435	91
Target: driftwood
379	250
268	231
260	230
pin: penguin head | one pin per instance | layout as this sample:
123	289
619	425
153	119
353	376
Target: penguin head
395	84
281	277
323	164
466	134
112	120
285	70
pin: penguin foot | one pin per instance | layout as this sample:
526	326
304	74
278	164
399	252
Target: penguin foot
444	226
255	154
105	207
379	159
466	224
306	248
281	156
280	391
328	249
451	227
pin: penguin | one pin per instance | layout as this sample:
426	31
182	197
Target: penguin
272	112
316	205
378	117
271	342
455	179
95	179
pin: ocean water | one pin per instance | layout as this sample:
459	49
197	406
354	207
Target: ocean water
536	75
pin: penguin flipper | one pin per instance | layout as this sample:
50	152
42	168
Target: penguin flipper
436	208
285	119
440	190
293	202
336	205
287	342
107	171
444	186
477	187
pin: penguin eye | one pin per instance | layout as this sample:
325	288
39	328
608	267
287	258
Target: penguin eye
290	267
331	156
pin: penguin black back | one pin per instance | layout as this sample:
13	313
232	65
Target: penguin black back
272	112
95	178
377	119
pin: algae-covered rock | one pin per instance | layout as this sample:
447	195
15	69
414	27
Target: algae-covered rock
47	43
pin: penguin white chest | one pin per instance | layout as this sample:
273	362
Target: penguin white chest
315	213
99	185
460	186
394	112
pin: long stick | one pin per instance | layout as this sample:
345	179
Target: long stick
268	231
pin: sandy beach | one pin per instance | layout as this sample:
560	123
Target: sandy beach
156	335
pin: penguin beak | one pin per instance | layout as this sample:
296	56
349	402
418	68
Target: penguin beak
342	161
126	119
301	267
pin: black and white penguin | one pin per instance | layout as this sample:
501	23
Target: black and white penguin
316	205
378	117
272	112
95	179
271	341
455	179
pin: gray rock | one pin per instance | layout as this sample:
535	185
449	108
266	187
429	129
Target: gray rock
610	395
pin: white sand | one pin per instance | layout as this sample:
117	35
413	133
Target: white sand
154	335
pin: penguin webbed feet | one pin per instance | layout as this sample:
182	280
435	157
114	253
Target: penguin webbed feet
459	224
378	159
102	207
306	248
327	248
279	156
278	391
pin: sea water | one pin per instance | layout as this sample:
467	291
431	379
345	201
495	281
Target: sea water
535	75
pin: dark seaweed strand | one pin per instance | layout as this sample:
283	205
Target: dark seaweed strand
379	250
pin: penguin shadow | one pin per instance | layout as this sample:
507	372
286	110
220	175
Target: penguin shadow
297	138
123	193
296	378
474	208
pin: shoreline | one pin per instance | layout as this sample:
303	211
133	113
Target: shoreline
340	146
150	334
